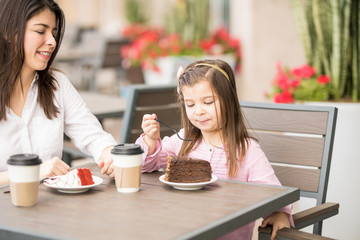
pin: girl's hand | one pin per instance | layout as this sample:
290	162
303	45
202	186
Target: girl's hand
151	130
53	167
278	220
106	162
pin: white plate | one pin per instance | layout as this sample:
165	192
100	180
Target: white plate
187	186
78	189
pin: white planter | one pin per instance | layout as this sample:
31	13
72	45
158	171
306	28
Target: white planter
168	67
344	172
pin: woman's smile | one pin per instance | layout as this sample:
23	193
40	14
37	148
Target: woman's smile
45	55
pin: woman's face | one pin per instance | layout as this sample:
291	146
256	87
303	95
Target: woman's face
39	41
202	106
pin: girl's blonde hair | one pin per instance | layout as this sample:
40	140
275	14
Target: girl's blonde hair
232	130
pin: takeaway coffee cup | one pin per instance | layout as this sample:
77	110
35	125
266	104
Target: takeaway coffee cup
127	159
24	174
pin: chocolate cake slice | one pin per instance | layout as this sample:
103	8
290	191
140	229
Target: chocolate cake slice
187	170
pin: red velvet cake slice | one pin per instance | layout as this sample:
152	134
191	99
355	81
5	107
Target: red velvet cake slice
75	178
85	176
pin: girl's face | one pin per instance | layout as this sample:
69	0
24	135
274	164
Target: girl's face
202	106
39	41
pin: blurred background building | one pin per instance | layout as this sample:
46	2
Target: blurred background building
265	30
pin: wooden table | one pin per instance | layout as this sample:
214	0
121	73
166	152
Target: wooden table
157	211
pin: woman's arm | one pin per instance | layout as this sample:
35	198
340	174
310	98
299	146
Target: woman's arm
79	123
106	162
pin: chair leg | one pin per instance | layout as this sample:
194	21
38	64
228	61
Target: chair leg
317	228
67	158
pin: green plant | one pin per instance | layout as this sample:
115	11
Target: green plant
329	30
134	12
189	19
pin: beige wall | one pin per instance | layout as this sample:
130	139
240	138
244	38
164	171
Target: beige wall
268	35
108	15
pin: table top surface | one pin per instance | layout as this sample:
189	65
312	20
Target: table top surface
104	106
157	211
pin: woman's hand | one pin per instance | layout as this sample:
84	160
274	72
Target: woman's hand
106	162
151	130
53	167
278	220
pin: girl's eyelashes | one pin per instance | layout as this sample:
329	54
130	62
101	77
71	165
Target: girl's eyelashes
206	103
40	32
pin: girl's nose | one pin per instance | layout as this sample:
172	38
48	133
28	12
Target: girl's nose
199	110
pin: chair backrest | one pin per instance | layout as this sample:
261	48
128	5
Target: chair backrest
111	57
297	140
147	99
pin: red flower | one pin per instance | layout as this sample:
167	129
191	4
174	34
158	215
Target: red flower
146	44
284	97
305	71
301	83
152	54
282	81
222	33
295	82
176	48
206	45
323	79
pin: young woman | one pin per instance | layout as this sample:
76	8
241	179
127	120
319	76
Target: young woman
212	117
38	104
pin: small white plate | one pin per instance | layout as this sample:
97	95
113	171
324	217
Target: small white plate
78	189
187	186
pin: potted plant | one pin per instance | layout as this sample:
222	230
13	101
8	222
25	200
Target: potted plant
186	38
330	34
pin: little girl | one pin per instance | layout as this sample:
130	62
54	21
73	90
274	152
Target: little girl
212	118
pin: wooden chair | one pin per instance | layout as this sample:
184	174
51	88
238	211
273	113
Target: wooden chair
143	99
298	141
109	57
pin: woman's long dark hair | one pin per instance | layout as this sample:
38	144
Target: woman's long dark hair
232	130
14	15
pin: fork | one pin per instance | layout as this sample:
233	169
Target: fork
173	129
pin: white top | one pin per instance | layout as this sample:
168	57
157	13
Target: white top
34	133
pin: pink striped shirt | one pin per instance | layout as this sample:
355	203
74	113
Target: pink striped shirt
255	168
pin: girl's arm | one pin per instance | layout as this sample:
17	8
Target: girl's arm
151	130
163	148
261	171
278	220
